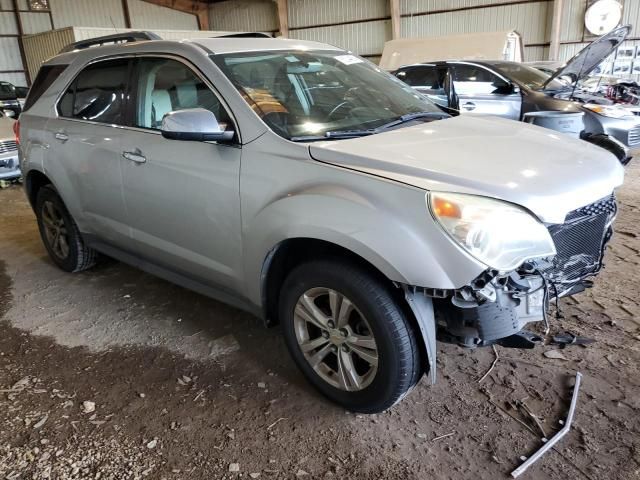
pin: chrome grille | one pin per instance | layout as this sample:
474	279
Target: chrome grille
634	136
8	146
580	241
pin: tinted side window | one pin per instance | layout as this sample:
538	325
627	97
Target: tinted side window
420	77
474	80
98	93
166	85
45	77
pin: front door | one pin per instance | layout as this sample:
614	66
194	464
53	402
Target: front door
428	79
182	197
87	136
482	92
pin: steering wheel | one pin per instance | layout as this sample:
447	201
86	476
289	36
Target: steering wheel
337	108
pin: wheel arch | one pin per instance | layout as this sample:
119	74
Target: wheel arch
289	253
34	181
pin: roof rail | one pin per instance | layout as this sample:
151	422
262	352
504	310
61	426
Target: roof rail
244	35
124	37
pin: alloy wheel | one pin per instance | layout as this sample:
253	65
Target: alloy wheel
55	230
335	339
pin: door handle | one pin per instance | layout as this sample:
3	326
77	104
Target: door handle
134	157
469	106
63	137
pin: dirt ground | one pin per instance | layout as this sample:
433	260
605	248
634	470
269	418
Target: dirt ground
114	374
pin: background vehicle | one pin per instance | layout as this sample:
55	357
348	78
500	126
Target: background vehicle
511	90
21	93
9	99
301	183
9	164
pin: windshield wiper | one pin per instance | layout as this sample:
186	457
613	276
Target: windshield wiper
337	135
408	117
343	134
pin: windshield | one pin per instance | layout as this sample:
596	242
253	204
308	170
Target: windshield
528	76
7	91
302	94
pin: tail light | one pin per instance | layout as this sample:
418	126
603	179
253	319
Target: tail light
16	131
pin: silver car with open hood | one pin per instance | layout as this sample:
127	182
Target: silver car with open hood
513	90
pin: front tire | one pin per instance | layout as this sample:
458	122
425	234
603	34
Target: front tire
349	335
60	233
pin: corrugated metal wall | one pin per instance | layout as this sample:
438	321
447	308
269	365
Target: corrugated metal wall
87	13
11	65
419	6
146	15
96	14
244	16
361	26
530	20
39	48
35	22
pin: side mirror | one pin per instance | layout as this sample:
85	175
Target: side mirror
195	124
9	113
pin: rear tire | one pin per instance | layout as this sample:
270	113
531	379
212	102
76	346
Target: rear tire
60	233
349	335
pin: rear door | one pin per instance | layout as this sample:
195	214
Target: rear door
183	197
483	92
85	141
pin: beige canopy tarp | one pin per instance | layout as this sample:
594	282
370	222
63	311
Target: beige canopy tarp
468	46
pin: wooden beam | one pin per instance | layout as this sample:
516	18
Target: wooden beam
394	8
283	17
196	7
23	58
556	23
127	14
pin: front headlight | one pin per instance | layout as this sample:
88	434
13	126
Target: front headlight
608	110
499	234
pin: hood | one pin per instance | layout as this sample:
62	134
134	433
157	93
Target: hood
587	59
544	171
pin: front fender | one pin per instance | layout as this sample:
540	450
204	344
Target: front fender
384	222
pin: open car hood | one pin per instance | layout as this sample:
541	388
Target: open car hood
587	59
544	171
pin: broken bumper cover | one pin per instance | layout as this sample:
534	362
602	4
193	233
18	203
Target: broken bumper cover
497	306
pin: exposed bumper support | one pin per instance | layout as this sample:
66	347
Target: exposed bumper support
550	443
422	308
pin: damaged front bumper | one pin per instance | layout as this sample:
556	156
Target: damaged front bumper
495	307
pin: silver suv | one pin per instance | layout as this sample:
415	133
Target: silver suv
300	182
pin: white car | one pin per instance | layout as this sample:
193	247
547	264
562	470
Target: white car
9	164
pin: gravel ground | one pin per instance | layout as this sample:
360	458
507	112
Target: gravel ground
115	374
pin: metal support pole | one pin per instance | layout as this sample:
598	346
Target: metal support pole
394	8
283	17
556	24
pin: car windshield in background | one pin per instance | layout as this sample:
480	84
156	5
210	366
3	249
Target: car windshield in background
7	91
306	95
528	76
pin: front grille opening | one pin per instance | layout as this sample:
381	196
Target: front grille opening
8	146
580	242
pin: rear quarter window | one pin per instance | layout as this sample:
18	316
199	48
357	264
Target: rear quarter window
46	76
98	93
